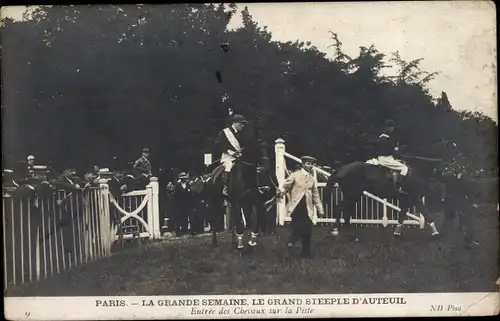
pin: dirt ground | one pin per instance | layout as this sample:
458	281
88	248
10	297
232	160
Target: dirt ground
377	263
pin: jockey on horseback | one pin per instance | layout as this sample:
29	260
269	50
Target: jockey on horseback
229	147
386	148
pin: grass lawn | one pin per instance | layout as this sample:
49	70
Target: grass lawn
378	263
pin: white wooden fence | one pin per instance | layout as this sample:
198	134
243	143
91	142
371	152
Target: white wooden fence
43	237
370	210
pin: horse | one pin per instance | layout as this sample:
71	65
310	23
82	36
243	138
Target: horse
462	192
242	191
356	177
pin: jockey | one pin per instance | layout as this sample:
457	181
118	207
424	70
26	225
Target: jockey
385	150
228	145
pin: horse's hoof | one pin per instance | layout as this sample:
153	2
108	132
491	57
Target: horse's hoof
334	232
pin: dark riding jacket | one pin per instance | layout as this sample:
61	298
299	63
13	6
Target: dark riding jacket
385	145
247	142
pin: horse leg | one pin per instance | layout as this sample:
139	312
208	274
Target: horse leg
449	214
466	226
256	224
236	217
429	218
337	209
336	214
401	217
348	205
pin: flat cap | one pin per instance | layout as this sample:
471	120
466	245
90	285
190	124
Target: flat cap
308	159
183	175
145	150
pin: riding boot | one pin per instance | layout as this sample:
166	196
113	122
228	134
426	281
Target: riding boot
225	181
395	179
399	183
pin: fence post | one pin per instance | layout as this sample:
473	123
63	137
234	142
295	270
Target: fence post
106	231
315	175
150	214
154	224
279	149
384	219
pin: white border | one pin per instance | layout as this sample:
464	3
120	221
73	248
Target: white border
327	305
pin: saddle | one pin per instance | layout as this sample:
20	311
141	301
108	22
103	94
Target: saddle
217	172
393	175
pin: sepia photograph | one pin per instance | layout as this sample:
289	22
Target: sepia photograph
250	160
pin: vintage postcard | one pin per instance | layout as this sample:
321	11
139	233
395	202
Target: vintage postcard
277	160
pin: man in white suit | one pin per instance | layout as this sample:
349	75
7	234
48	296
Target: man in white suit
304	198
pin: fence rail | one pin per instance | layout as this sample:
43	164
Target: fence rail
370	209
42	239
44	236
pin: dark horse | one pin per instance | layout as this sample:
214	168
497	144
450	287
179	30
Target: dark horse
242	191
462	193
356	177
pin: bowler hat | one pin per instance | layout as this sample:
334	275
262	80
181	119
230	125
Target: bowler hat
145	150
183	175
308	159
239	119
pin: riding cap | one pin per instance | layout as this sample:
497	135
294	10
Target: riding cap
239	119
145	150
389	123
308	159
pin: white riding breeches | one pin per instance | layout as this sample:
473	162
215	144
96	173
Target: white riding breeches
228	162
392	163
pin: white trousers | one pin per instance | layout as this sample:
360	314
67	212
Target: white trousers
228	162
392	163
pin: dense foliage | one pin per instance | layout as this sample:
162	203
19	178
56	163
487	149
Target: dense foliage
84	84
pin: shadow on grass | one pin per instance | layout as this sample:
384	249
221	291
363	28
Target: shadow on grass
378	263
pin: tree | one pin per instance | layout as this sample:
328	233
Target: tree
85	84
